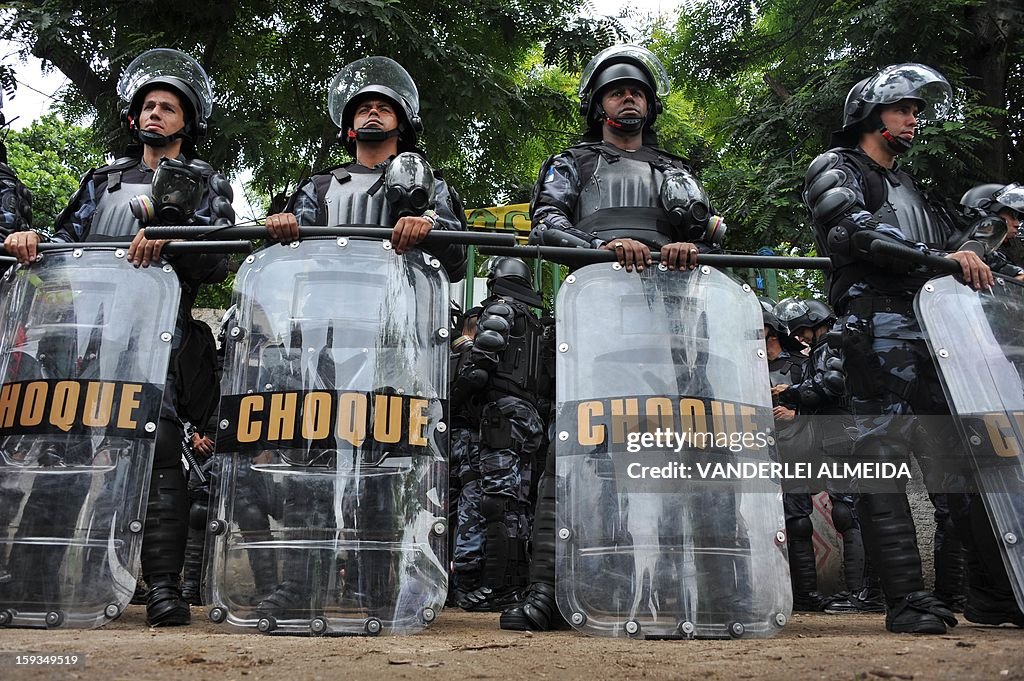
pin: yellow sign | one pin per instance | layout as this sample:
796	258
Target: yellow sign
515	217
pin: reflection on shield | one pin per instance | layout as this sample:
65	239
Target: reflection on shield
328	516
83	368
662	381
975	340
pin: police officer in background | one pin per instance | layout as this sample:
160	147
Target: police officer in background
167	115
822	394
795	438
15	198
617	191
858	193
505	384
376	105
987	202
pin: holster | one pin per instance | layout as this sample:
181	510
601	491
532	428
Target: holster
861	363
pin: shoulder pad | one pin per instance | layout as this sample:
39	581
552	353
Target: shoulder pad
823	162
833	204
824	181
7	173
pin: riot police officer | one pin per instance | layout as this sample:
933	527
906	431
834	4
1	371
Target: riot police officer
858	194
168	102
618	191
15	198
376	105
795	439
994	202
504	386
822	395
15	216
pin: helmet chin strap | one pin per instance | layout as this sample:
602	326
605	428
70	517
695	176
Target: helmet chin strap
152	139
373	134
625	124
897	144
621	124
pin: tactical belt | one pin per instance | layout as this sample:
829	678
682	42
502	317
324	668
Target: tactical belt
865	306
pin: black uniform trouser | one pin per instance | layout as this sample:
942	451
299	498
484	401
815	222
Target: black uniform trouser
163	543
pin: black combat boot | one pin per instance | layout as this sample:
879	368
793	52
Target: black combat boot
163	542
165	606
990	597
891	543
538	610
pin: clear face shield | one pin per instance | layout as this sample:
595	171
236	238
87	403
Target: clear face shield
911	81
1012	197
789	309
167	63
626	53
367	73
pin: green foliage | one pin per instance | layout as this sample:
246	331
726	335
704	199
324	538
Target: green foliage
50	157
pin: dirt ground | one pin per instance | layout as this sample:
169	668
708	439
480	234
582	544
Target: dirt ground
470	646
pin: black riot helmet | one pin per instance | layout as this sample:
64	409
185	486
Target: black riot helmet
803	314
512	277
511	269
917	82
375	77
990	199
175	71
778	328
618	64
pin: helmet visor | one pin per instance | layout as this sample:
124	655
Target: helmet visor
790	309
1011	196
617	54
366	72
911	81
164	62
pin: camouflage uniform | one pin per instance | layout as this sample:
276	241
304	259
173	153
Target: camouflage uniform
494	454
822	393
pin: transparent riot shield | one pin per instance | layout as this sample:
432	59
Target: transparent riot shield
329	515
670	522
975	339
84	344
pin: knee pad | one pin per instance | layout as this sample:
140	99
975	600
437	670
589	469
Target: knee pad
843	517
800	528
